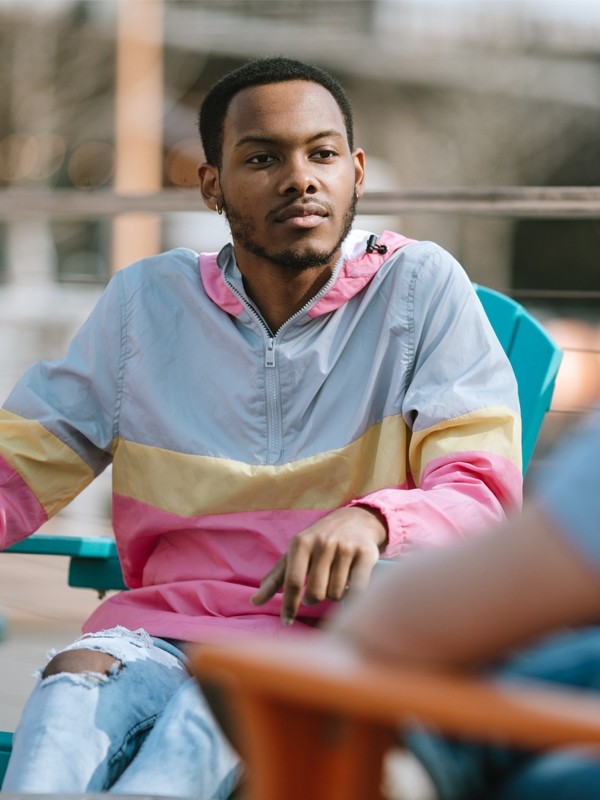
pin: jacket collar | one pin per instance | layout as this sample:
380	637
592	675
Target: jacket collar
354	271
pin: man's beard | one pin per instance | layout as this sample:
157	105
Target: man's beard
291	259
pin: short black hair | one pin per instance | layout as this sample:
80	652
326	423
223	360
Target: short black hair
260	72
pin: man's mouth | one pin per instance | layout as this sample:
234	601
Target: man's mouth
301	215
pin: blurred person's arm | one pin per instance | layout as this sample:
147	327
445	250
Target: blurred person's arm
473	601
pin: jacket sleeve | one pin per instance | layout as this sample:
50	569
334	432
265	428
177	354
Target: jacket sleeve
461	409
58	424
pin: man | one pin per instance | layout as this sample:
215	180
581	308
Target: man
277	417
538	573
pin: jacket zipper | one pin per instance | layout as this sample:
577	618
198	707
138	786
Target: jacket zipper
270	353
274	421
274	438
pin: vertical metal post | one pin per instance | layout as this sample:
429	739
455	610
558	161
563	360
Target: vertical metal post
138	123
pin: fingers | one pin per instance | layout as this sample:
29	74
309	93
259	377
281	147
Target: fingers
323	560
330	580
325	573
297	569
271	583
360	573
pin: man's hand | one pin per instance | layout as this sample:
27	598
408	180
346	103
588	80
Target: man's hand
325	559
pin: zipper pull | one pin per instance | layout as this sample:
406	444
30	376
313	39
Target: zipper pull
270	353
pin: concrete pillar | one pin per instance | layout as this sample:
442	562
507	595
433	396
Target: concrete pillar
139	116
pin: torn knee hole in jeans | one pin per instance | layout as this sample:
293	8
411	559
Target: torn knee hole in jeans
90	679
91	670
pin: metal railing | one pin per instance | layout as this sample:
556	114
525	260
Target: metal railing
568	202
571	202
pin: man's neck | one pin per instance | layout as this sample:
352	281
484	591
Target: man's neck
278	294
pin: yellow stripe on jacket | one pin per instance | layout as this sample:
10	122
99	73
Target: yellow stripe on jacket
494	430
190	485
53	471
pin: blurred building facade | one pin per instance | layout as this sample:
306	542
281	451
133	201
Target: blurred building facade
446	93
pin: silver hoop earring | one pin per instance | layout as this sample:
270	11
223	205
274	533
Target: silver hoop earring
219	210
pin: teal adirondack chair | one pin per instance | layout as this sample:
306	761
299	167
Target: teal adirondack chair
535	359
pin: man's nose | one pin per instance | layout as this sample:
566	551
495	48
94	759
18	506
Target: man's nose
299	178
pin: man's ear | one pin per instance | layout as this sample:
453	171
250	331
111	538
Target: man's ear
210	186
358	156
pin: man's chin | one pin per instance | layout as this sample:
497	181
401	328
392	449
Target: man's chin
305	253
300	259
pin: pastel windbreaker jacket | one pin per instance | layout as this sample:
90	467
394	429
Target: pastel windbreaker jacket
388	388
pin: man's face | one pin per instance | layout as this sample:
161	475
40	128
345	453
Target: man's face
288	182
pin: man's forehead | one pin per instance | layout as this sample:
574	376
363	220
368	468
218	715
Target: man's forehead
263	111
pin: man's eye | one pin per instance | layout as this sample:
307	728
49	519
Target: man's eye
324	155
261	158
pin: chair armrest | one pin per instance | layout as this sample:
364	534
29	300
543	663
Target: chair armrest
49	545
94	559
283	696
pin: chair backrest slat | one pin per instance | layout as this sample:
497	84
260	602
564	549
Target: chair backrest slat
534	357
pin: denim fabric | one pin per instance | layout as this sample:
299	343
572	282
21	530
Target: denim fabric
468	771
142	729
563	775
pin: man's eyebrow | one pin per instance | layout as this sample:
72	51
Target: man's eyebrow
257	139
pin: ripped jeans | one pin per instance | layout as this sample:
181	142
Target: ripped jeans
142	728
